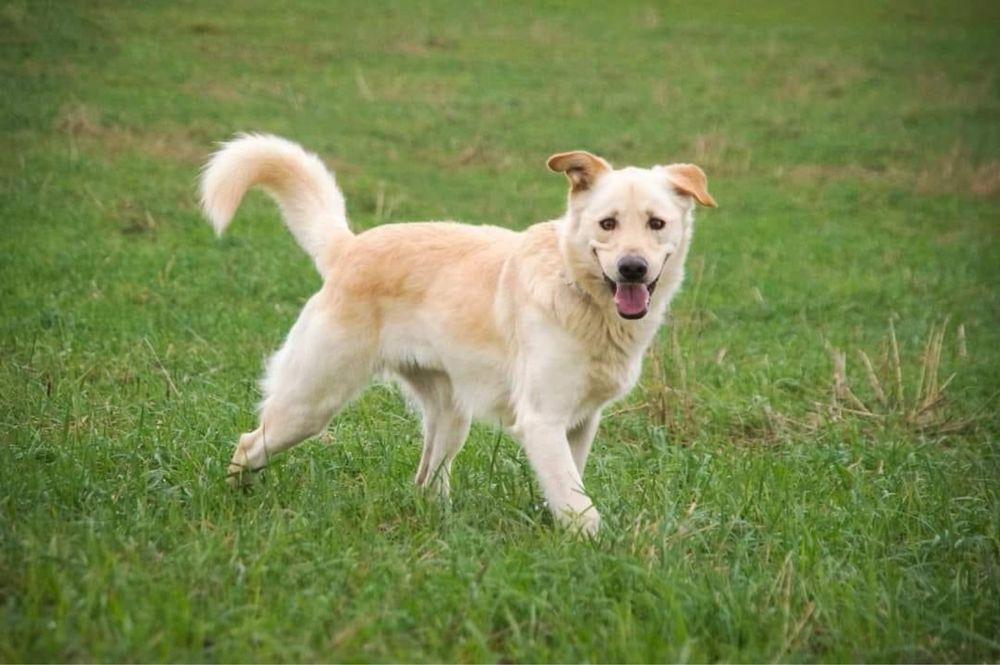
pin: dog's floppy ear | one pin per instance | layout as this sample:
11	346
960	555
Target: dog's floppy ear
690	180
581	167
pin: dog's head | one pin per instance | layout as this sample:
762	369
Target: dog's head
627	227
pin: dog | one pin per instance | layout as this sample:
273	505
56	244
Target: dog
535	330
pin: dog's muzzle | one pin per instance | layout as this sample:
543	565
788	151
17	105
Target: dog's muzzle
631	292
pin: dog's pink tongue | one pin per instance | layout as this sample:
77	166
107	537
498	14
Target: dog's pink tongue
631	299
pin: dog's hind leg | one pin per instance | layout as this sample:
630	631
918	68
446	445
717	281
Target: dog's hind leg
446	426
318	370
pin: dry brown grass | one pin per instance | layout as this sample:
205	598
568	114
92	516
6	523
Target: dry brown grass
86	129
816	78
891	396
806	174
957	171
667	397
954	172
895	390
719	155
932	86
379	87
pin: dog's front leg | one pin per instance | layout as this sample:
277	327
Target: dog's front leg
581	438
548	450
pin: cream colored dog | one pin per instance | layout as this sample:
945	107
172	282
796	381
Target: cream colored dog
536	331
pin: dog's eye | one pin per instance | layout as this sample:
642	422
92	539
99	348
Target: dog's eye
608	224
656	223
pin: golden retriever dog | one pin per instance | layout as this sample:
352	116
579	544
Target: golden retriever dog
535	331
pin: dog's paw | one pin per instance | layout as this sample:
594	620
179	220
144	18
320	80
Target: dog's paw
239	475
587	523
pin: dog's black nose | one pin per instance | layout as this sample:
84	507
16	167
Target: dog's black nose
632	268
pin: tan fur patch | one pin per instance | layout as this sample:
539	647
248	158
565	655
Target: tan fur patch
445	268
581	167
691	180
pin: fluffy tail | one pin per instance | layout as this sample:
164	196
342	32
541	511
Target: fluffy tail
311	203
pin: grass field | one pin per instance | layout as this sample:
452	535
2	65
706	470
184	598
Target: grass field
766	496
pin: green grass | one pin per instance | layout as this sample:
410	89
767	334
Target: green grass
754	510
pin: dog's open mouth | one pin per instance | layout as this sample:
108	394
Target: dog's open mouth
631	298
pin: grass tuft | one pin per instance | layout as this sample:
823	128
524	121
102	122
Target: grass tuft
920	404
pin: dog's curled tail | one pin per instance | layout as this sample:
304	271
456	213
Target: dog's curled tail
311	203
